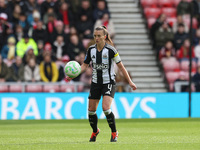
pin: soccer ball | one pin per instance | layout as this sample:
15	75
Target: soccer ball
72	69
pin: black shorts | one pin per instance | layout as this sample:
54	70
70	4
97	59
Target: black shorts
96	90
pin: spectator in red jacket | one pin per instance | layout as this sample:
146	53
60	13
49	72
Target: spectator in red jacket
184	50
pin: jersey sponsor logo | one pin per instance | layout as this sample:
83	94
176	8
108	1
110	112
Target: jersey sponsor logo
100	66
105	56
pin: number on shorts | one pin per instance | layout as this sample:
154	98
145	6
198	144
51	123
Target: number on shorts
110	87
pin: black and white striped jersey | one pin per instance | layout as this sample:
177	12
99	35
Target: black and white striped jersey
102	63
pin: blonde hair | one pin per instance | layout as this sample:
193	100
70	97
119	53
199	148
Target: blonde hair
105	32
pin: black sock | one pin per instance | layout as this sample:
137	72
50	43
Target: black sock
93	119
111	121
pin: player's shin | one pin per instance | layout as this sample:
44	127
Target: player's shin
93	119
110	119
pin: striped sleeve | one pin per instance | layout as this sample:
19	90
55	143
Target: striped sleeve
114	54
88	57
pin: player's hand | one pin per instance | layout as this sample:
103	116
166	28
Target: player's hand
133	86
68	78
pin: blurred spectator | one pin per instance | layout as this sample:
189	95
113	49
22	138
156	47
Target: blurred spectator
74	4
45	5
28	55
43	51
59	30
50	26
23	45
17	70
30	6
32	71
182	77
23	22
105	21
59	47
184	50
4	8
18	33
197	51
180	36
86	78
66	15
9	51
85	9
196	79
85	26
167	53
85	19
183	7
4	71
156	26
15	15
60	65
3	28
75	47
48	69
121	79
39	34
33	19
180	21
163	35
100	10
49	12
73	30
196	38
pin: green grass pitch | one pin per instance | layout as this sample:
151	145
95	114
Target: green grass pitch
134	134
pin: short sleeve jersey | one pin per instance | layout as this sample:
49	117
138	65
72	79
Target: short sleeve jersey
102	63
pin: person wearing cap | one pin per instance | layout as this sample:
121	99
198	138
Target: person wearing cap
28	55
9	50
23	45
46	49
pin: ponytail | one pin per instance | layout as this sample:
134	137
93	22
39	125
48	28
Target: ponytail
105	31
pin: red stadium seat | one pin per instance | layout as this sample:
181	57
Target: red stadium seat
176	2
171	20
3	88
169	12
149	3
165	3
51	88
171	66
194	22
150	22
67	88
185	65
152	12
33	88
80	88
172	76
16	88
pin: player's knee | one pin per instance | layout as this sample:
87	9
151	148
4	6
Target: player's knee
105	107
107	112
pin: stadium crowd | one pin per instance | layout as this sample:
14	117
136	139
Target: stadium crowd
169	32
38	37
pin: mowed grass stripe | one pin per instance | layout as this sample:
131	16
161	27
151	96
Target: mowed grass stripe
151	134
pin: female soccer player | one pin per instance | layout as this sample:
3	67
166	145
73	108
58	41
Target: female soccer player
103	56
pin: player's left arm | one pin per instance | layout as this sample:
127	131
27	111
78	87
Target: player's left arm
126	75
121	67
